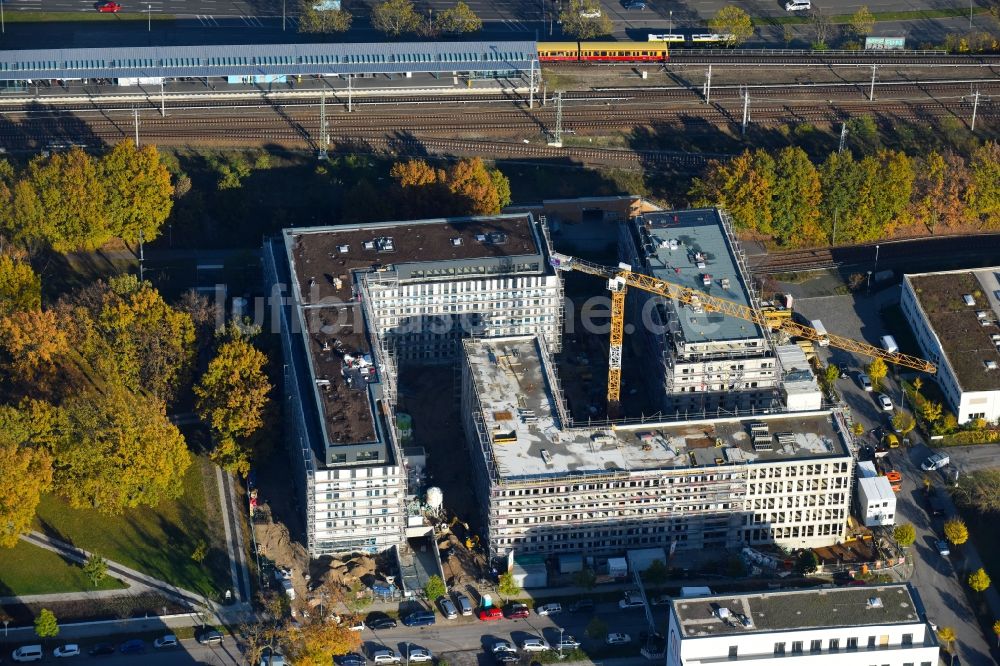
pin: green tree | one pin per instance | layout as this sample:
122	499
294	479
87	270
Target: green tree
200	552
831	374
434	588
231	397
314	20
507	586
903	423
597	629
46	625
983	194
877	370
840	180
585	578
795	199
395	17
931	411
95	568
139	191
657	573
863	22
732	21
117	450
891	189
458	19
20	288
502	185
904	535
979	580
807	562
26	471
584	19
956	532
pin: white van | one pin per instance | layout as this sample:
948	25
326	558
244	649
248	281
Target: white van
889	344
798	5
27	653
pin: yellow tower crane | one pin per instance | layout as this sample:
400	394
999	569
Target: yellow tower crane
621	278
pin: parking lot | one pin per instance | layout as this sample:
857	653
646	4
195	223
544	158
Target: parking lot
939	580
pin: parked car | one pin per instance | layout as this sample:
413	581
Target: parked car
273	660
865	382
350	659
421	618
549	609
504	657
209	637
492	613
590	13
936	461
503	646
518	611
447	607
109	8
582	605
385	656
631	600
845	371
27	653
568	643
168	641
635	4
534	645
379	620
102	650
465	606
885	402
618	639
133	646
942	548
68	650
419	655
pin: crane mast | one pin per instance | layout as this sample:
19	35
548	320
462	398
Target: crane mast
621	278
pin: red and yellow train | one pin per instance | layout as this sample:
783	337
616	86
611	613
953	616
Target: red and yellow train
602	52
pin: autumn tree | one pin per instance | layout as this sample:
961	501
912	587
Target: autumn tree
983	195
139	191
979	580
743	186
323	20
858	429
877	370
313	643
395	17
839	179
467	187
33	342
231	397
947	636
931	411
904	534
470	182
117	450
956	532
979	490
20	287
26	471
996	631
821	25
584	19
734	22
95	569
46	625
795	199
458	19
863	22
939	186
903	423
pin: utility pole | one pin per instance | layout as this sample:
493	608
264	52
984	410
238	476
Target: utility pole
975	107
350	104
531	86
135	113
746	110
3	28
970	14
843	137
163	101
324	138
708	86
149	18
282	15
871	93
559	128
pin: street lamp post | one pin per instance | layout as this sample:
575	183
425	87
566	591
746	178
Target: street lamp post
560	642
149	18
407	654
671	29
874	270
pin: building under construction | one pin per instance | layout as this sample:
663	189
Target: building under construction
546	485
698	361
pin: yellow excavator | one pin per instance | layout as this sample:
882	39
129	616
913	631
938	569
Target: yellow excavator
621	278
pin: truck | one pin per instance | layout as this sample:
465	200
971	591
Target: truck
936	461
889	344
822	338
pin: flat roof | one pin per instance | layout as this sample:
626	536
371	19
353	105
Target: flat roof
821	608
335	327
266	59
532	438
701	252
966	342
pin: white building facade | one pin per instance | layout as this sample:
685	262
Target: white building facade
816	627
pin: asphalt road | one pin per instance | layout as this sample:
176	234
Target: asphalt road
190	652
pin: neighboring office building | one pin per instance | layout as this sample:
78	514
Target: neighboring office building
546	485
876	499
882	625
954	316
703	361
364	298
